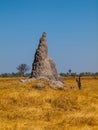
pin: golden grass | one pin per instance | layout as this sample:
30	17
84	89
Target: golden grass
24	107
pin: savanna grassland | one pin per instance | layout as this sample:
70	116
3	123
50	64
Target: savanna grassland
24	107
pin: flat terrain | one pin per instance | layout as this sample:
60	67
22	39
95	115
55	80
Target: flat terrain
24	107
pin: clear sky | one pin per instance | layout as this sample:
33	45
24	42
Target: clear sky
71	27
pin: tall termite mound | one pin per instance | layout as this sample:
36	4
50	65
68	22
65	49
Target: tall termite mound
43	66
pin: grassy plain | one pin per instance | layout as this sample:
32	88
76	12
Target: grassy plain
24	107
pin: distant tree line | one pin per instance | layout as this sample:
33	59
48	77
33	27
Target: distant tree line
80	74
18	74
14	74
23	68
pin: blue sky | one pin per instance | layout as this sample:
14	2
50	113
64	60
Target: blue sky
71	27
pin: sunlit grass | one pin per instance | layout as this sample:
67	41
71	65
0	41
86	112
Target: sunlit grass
24	107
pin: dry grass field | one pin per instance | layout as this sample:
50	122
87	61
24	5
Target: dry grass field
24	107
